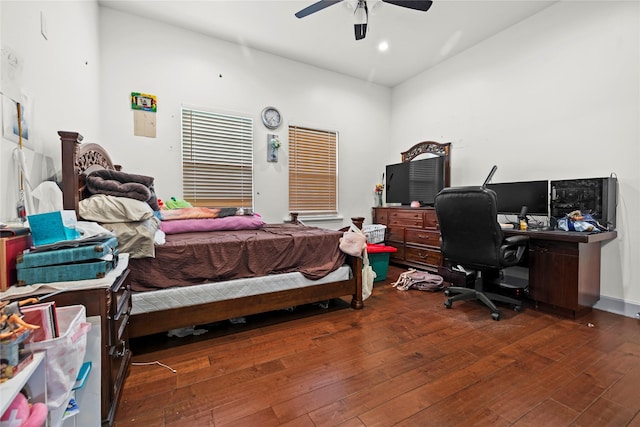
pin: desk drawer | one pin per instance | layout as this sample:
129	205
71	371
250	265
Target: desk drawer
427	256
406	218
423	237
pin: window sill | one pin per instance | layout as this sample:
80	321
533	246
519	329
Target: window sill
317	218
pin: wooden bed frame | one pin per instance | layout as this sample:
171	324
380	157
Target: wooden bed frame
79	159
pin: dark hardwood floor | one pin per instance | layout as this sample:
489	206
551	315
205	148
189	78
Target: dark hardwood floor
404	360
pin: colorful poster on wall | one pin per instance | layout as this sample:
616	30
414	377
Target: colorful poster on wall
143	101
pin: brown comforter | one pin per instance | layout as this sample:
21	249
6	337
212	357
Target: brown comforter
195	258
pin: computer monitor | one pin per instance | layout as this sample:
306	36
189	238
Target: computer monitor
512	196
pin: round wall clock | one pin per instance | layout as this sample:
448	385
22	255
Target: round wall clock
271	117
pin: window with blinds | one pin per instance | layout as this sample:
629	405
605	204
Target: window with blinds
313	173
217	159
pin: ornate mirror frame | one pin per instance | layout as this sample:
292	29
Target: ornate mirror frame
431	147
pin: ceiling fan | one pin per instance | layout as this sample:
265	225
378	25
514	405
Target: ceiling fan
361	11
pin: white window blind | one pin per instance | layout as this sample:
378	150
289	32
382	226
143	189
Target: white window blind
313	176
217	159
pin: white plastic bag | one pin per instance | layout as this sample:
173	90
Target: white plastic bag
64	355
368	275
353	242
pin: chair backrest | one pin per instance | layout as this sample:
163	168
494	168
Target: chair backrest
469	229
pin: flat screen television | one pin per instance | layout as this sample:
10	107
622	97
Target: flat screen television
415	181
512	196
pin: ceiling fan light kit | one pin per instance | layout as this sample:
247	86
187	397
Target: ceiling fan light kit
361	12
361	15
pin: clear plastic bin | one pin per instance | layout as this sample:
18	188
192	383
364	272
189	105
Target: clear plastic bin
64	356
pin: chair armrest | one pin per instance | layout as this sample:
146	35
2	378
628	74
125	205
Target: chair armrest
512	250
515	240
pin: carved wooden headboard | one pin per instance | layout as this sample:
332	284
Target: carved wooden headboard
440	149
78	160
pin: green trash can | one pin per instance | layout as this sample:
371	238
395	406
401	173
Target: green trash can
379	255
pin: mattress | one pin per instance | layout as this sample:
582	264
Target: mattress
163	299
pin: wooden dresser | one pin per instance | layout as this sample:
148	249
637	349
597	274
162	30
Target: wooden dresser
414	232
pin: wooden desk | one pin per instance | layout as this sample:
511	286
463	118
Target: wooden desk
564	269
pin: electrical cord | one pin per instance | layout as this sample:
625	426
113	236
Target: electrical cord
155	362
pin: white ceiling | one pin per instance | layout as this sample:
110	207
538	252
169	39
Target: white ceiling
417	40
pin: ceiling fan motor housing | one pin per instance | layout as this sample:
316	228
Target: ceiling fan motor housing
361	10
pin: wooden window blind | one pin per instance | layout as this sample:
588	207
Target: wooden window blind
217	159
313	176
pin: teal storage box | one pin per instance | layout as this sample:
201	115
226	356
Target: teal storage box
66	272
379	259
53	227
85	261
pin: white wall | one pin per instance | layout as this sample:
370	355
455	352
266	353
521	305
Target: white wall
556	96
183	67
59	76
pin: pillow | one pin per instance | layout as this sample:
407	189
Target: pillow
107	209
238	222
136	238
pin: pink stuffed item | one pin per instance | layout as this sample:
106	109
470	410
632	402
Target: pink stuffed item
237	222
21	414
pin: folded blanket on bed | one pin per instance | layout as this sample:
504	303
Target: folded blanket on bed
196	213
122	184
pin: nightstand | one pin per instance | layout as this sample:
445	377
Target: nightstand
113	306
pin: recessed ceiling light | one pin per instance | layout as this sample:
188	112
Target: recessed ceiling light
383	46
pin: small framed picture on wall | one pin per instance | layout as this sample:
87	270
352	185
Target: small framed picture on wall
11	126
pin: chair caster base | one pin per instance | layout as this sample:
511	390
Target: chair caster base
447	304
495	316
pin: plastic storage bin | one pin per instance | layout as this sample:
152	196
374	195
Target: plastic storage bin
379	259
374	232
64	357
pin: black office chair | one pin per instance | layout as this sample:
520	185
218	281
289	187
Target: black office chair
472	238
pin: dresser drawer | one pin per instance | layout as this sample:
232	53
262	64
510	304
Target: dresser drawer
395	234
399	254
427	256
422	237
407	218
380	216
120	309
120	321
430	218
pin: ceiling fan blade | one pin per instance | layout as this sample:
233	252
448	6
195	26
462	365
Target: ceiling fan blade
316	7
422	5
